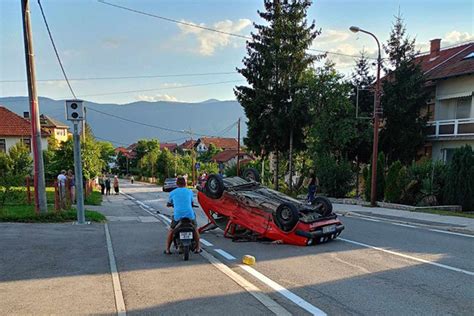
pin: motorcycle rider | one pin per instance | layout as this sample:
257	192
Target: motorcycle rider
182	199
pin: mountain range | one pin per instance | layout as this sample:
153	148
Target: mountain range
117	122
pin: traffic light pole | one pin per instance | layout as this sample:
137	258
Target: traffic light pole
39	181
78	171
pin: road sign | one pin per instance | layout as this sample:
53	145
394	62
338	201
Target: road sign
198	166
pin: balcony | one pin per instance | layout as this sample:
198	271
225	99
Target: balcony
451	128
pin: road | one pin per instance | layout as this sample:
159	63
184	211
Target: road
375	267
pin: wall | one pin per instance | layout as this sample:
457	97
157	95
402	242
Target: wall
438	146
11	141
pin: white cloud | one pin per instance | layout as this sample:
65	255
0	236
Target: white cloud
111	42
209	41
456	37
332	36
60	84
157	97
171	85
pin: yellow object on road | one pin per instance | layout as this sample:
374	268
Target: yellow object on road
248	260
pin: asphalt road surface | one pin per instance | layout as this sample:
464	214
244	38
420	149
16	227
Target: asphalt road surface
376	267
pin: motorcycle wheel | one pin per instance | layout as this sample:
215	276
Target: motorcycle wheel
186	253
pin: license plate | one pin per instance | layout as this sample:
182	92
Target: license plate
186	235
329	229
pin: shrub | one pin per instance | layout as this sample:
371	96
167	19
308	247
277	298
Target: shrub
459	188
380	179
335	177
393	185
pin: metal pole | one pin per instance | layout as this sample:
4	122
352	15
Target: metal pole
78	171
373	191
39	181
238	147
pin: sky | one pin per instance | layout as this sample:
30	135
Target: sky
96	40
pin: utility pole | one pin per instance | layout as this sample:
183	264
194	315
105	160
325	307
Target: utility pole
238	147
39	181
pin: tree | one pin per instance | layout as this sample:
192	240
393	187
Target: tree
149	161
107	153
21	163
459	188
404	95
273	68
211	152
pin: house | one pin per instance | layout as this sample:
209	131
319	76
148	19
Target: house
202	144
187	145
228	158
450	75
172	147
59	131
15	129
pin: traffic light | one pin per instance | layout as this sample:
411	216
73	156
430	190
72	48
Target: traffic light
74	110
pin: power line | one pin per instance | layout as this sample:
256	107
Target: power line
56	50
209	28
132	77
157	89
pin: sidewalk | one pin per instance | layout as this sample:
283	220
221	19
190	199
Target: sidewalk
452	223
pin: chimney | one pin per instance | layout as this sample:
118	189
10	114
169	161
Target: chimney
435	47
26	115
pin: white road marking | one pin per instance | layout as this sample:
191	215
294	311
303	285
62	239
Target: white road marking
283	291
119	302
371	220
451	233
225	254
409	257
273	306
404	225
165	218
205	242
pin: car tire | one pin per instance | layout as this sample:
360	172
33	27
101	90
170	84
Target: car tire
323	205
251	174
214	187
286	216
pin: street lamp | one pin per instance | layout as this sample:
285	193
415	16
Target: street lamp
373	191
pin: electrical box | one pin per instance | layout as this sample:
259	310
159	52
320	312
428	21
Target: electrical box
74	110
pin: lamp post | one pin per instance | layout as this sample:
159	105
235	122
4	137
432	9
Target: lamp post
377	110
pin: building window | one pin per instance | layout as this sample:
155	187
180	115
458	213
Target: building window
448	154
463	107
3	145
27	143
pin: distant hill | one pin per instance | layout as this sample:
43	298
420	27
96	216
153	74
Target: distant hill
210	117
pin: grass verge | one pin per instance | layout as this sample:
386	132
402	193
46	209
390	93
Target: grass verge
95	198
26	214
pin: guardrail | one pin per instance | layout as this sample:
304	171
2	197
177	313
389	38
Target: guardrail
458	127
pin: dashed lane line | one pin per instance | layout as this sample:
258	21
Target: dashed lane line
119	301
451	233
205	242
444	266
225	254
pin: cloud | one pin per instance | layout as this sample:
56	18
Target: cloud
157	97
60	84
332	36
171	85
111	42
456	37
209	41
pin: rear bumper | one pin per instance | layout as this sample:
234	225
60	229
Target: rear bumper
318	234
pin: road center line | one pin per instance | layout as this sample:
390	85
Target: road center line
225	254
205	242
409	257
286	293
119	302
404	225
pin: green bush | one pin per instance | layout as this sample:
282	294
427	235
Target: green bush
380	179
459	188
335	177
393	185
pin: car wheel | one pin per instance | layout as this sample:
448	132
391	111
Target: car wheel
251	174
214	187
323	205
286	216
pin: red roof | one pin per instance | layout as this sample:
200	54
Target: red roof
169	146
227	155
449	62
219	142
189	144
12	124
125	152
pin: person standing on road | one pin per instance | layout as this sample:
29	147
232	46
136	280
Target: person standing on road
102	184
312	187
132	179
182	200
107	185
116	185
72	186
62	188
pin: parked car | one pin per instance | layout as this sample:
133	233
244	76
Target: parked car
243	208
169	184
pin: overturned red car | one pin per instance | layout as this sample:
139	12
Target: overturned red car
243	208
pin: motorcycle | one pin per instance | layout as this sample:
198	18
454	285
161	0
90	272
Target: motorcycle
183	236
